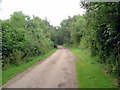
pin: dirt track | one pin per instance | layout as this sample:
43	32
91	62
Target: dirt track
57	71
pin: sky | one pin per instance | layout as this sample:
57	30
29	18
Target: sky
54	10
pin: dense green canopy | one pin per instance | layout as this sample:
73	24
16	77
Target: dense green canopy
24	37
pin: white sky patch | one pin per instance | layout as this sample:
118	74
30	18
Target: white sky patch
54	10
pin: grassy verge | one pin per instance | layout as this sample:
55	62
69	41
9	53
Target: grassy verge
89	72
13	70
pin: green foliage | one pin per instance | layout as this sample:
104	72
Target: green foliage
23	37
71	30
103	33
